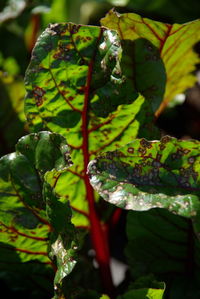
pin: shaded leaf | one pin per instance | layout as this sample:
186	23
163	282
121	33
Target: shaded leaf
12	116
65	240
175	10
30	209
165	245
143	288
173	42
75	86
149	174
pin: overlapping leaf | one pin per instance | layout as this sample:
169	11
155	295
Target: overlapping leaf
144	175
165	245
27	181
143	294
174	44
145	287
74	87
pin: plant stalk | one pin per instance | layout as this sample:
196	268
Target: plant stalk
98	236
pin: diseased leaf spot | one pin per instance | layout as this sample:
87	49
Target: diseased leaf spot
130	150
145	182
142	151
191	160
38	94
144	143
75	28
166	139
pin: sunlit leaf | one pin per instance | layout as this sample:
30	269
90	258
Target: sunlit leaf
104	297
149	174
174	45
75	86
30	209
143	294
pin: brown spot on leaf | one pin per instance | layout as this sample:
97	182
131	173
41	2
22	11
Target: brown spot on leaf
144	143
70	98
130	150
162	147
191	160
75	28
142	151
38	95
186	151
166	139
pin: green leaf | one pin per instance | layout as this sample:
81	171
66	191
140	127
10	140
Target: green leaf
30	208
149	174
174	43
65	239
143	294
143	288
164	244
75	86
104	297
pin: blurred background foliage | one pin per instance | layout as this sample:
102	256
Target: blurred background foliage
22	21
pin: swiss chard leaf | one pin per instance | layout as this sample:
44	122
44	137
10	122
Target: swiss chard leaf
174	43
149	174
143	294
143	288
75	86
30	208
164	244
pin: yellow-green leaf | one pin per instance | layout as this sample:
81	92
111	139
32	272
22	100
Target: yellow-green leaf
174	43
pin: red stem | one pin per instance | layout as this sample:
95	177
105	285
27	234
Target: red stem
35	21
98	237
115	218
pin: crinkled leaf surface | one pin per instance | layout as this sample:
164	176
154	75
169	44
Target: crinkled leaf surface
164	244
174	44
65	240
29	207
75	86
149	174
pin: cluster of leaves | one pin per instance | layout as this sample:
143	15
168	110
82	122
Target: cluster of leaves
93	94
